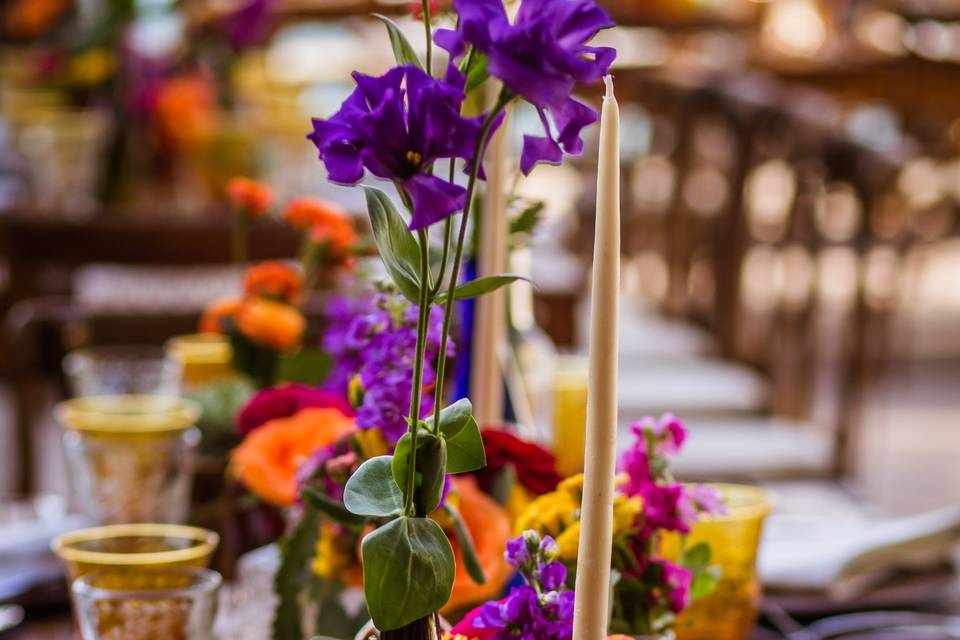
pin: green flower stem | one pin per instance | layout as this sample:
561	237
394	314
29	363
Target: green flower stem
502	101
447	236
429	34
423	317
238	237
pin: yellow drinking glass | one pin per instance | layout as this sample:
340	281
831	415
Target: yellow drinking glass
730	610
133	549
203	357
570	413
130	457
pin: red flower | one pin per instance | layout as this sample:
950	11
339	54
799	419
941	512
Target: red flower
535	467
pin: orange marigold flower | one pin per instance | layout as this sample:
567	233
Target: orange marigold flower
269	457
307	211
216	312
339	236
489	526
274	279
249	196
271	323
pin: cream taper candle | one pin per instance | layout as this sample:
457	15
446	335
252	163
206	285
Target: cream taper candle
596	515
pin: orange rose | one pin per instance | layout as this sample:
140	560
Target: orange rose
274	324
249	196
216	312
490	528
274	279
268	459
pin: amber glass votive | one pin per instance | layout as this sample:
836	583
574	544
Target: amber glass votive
176	603
570	413
203	357
730	611
130	457
134	549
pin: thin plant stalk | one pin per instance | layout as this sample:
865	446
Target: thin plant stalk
423	317
478	154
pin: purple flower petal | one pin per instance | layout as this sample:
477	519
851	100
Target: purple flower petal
433	199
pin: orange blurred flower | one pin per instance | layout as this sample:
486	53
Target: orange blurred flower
269	457
186	109
306	211
249	196
216	312
271	323
31	18
489	526
327	223
274	279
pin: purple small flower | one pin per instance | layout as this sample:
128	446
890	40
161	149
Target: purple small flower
541	57
553	575
396	126
517	553
698	500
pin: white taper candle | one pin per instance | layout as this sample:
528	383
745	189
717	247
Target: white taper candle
596	527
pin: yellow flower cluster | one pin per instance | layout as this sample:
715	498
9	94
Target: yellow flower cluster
335	553
557	514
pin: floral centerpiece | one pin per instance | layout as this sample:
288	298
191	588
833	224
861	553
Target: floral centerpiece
401	127
649	590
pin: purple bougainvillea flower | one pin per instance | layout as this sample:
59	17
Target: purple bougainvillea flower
396	126
540	57
285	401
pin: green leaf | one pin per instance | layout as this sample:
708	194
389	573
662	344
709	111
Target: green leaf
467	549
306	366
465	450
476	71
296	552
431	469
329	507
399	250
371	491
453	418
703	583
408	570
480	286
528	218
402	49
697	557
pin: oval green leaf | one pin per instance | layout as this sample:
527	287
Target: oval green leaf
371	490
408	570
398	248
465	449
453	418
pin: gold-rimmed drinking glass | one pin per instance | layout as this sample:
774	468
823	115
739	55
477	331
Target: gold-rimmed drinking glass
204	358
176	603
130	457
134	549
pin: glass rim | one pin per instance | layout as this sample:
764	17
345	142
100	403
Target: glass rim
208	582
127	413
206	540
759	501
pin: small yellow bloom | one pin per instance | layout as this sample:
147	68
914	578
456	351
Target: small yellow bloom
569	542
333	557
92	67
372	443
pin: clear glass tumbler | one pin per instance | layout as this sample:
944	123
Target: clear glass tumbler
130	458
122	369
161	604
